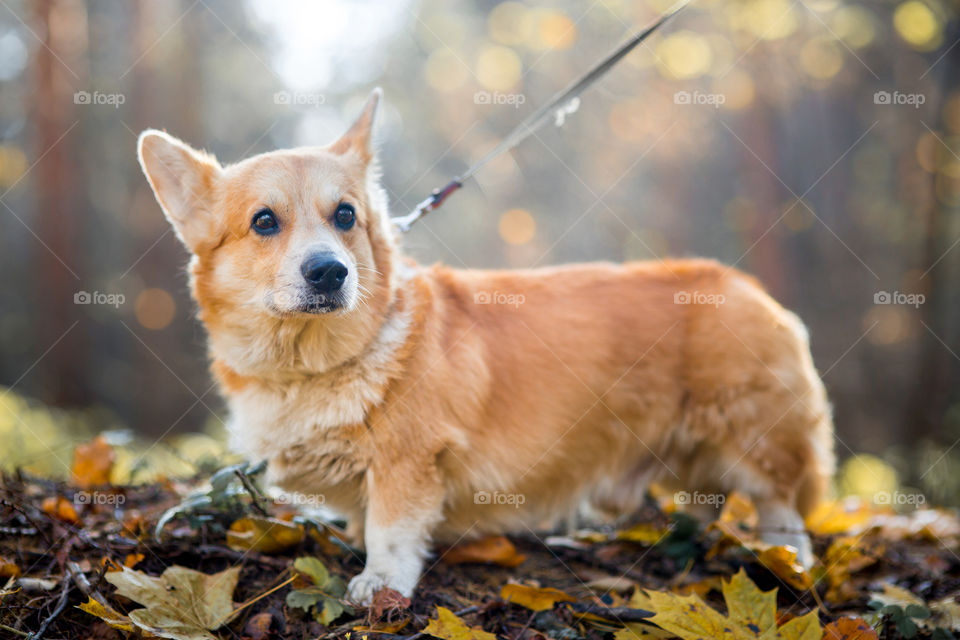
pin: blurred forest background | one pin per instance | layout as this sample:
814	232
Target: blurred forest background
813	143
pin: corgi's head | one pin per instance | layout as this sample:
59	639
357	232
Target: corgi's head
281	242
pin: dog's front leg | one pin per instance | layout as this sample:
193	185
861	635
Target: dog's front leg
404	503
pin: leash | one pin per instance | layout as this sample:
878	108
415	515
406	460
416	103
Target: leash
565	102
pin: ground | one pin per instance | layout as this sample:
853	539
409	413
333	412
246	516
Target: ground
63	545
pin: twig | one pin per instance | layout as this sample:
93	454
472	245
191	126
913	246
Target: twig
253	491
61	605
616	614
16	631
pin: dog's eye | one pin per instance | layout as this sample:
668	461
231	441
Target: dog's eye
345	216
265	223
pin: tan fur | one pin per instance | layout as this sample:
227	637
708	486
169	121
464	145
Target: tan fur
401	407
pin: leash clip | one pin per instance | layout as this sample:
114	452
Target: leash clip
433	201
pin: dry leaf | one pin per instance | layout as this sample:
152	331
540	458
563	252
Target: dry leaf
849	628
8	568
782	562
534	598
645	534
61	509
106	613
491	550
845	556
266	535
92	462
182	604
258	626
633	630
847	516
448	626
751	614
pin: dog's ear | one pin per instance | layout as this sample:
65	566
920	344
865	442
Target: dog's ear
183	180
359	137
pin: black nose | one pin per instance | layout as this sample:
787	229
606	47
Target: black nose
324	272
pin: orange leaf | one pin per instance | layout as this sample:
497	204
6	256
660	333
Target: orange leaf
849	628
266	535
534	598
61	509
92	462
493	550
133	559
8	568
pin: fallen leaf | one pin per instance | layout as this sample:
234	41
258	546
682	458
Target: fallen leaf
8	568
533	598
107	614
616	584
751	614
633	630
133	559
490	550
60	508
384	627
846	516
845	556
266	535
448	626
849	628
181	604
643	533
258	626
782	562
92	462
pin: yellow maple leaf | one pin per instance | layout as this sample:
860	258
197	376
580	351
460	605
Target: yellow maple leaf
106	613
752	614
448	626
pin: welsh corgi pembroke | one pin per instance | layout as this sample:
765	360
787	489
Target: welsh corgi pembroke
428	404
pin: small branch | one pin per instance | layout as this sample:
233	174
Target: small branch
61	605
615	614
253	491
23	634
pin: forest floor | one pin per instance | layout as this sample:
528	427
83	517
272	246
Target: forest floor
85	562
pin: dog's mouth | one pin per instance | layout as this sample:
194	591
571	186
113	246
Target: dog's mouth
318	306
313	303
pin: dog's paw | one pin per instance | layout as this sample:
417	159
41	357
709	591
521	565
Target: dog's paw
363	587
799	540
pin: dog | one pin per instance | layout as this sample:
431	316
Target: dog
428	404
